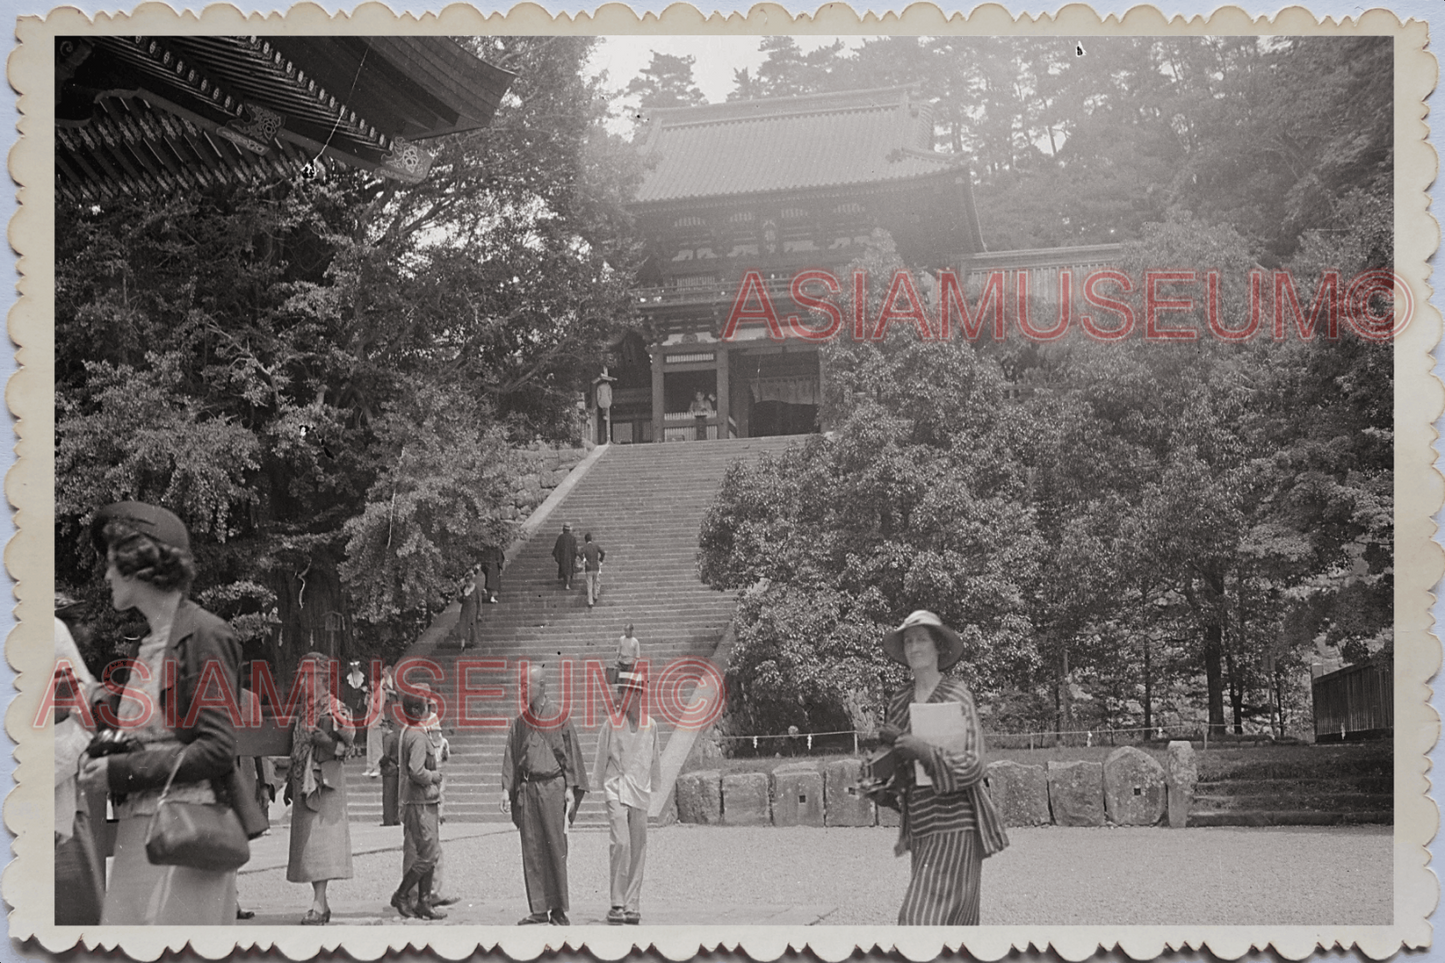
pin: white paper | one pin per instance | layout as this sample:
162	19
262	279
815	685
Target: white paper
938	724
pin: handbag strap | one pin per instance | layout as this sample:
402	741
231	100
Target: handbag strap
174	769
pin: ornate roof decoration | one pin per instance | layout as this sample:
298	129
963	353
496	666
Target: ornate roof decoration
141	115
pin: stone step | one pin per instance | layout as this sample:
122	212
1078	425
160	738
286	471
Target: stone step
645	505
1289	817
1285	802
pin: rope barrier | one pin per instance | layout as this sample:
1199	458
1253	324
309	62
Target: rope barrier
1089	735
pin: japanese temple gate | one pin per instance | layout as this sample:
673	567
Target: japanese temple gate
778	187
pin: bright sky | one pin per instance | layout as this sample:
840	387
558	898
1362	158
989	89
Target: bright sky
624	57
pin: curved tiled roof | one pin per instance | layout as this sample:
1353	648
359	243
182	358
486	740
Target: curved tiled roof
789	143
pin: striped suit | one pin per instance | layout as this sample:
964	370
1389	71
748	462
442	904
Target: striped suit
948	827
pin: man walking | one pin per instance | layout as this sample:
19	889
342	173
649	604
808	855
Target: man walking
629	765
565	552
592	558
421	782
543	781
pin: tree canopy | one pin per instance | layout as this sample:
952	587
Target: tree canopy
325	375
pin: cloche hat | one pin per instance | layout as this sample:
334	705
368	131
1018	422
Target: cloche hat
152	520
950	646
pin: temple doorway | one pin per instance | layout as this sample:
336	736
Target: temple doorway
779	391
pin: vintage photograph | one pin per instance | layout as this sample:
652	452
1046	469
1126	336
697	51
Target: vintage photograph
807	480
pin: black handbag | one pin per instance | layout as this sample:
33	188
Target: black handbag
198	835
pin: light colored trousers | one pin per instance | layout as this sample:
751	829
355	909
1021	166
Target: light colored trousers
628	852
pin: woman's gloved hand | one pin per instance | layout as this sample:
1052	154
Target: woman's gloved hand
911	747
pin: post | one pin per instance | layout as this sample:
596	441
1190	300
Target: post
659	401
723	398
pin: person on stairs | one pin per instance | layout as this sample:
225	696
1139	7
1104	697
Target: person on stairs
565	552
593	555
493	561
629	650
421	782
543	782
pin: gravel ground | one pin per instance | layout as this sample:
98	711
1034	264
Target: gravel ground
1221	876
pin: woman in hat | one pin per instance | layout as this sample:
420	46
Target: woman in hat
149	567
320	848
949	823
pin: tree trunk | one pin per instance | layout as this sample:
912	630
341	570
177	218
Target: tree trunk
1236	691
1214	676
1148	689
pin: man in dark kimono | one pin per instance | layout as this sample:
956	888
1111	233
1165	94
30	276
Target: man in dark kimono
493	559
565	552
543	781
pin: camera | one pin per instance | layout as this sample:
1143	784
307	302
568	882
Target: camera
108	743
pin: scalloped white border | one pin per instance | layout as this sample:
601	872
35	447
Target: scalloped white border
1419	399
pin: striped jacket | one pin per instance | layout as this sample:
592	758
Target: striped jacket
957	800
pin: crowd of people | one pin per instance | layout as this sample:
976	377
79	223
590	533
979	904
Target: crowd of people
185	754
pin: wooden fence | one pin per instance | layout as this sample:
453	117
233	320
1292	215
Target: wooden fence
1356	702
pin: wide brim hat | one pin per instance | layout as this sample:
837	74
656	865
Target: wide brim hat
150	520
632	680
950	645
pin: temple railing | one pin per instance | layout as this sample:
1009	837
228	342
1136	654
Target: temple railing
1043	266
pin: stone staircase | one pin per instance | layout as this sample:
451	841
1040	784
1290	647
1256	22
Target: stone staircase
1317	786
644	504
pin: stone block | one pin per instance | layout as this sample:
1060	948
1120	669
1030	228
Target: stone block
797	796
843	804
1020	793
888	816
1076	793
745	799
1133	788
1181	773
668	815
699	797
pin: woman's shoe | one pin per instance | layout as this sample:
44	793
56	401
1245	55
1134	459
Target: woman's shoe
533	919
313	918
633	918
616	917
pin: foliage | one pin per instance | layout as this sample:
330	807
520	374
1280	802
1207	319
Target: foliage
665	82
277	362
1276	137
912	503
447	472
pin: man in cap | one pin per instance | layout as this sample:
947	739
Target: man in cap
565	552
543	782
629	767
421	782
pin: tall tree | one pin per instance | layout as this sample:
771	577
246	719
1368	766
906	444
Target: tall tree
666	82
324	339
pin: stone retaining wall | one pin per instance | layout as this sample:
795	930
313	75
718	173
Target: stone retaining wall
538	471
1130	788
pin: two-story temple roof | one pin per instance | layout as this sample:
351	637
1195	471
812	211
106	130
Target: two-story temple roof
145	115
740	199
838	160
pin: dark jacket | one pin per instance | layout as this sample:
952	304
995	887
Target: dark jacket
198	639
564	550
